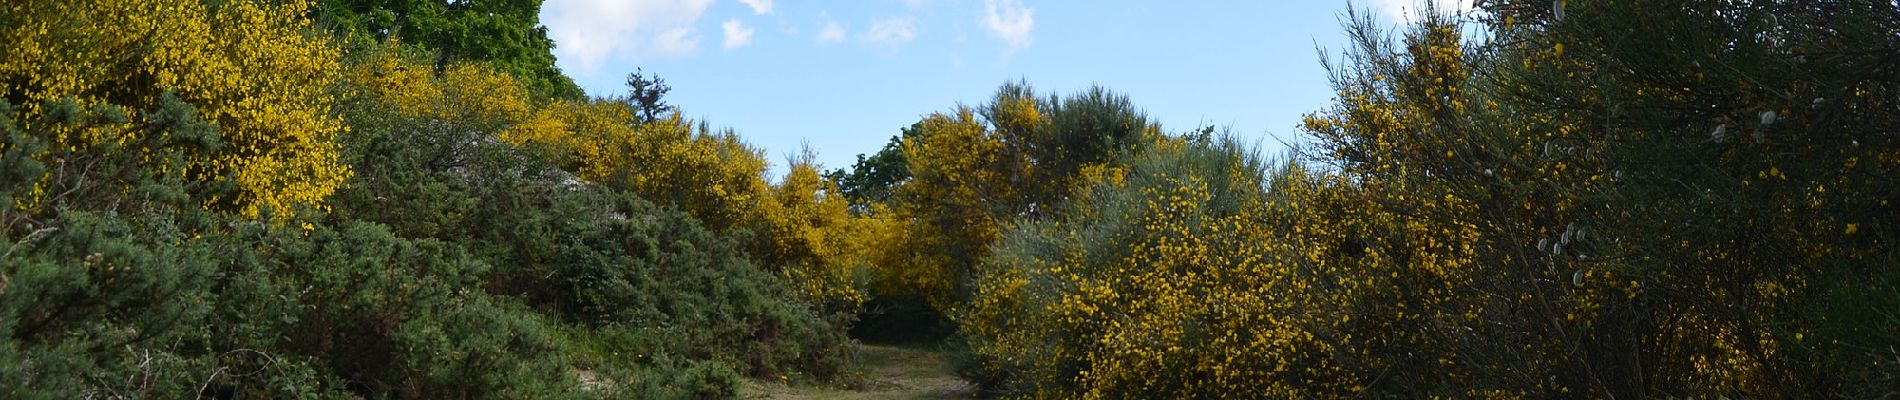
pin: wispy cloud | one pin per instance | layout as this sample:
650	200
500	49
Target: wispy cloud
1406	11
588	32
760	7
1009	20
831	33
737	34
894	31
676	41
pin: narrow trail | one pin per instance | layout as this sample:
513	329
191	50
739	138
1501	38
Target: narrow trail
890	372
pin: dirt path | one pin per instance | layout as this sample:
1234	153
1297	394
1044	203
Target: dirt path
892	372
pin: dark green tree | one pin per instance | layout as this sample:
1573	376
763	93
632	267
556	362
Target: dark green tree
506	34
1092	126
871	179
647	94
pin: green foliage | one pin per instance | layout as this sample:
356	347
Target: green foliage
1093	126
149	169
102	63
334	297
647	95
505	34
1660	199
1749	141
456	265
1539	200
88	293
1671	184
1148	283
647	283
86	302
964	178
870	180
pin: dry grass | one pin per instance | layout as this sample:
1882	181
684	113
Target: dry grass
890	373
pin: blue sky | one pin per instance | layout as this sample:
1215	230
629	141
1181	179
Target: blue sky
844	76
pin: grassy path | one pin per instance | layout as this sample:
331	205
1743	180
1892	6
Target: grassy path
890	372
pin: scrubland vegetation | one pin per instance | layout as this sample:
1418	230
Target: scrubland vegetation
406	199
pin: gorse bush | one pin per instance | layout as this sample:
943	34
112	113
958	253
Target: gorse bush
84	293
276	138
91	300
329	297
1637	224
650	282
971	171
1588	200
454	262
402	199
1146	284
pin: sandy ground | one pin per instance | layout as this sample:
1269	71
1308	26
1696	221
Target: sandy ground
891	373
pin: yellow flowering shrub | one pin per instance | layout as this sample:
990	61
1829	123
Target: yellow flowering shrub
1173	277
248	66
974	170
803	227
713	175
1557	195
959	175
816	241
406	80
1459	213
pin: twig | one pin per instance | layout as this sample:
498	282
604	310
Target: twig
207	384
269	361
30	237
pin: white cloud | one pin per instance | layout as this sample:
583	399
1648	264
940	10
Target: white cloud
588	32
892	31
737	34
1009	20
760	7
675	41
832	33
1406	11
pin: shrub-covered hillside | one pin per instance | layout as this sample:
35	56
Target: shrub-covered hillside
250	200
400	199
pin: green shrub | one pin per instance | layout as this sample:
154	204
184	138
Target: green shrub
635	278
1145	284
102	280
97	303
389	315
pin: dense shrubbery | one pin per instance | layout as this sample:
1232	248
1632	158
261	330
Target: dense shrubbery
447	261
1671	199
647	288
1662	199
1147	282
276	139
